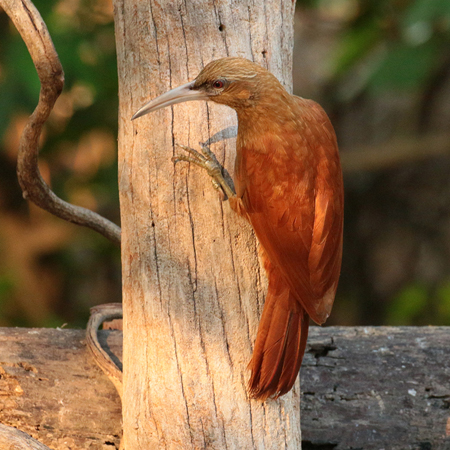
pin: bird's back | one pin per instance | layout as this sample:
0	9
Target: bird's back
291	186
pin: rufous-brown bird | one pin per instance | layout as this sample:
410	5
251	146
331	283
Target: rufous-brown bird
288	184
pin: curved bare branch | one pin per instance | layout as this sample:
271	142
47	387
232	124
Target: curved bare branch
35	34
100	314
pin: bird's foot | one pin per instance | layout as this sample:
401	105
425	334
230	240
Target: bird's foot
207	160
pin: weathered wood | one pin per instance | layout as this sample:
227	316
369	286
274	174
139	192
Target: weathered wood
377	387
52	389
192	284
14	439
363	388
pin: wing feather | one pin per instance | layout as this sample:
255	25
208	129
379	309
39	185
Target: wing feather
292	191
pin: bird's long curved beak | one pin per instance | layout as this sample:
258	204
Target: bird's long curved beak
183	93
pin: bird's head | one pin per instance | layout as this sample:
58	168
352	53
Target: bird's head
235	82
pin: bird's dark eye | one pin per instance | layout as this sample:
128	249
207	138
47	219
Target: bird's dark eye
218	84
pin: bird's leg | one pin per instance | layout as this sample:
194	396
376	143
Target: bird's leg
208	161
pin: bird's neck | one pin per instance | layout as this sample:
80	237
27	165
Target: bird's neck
270	115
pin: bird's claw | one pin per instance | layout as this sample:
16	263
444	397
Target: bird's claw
207	152
195	155
208	161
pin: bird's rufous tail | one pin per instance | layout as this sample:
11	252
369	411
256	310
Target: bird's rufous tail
280	342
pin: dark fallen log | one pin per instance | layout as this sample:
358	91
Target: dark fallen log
377	388
363	388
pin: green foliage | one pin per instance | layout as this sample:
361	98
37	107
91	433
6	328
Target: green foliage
421	304
354	45
86	48
405	67
418	47
6	287
408	305
429	11
443	305
390	44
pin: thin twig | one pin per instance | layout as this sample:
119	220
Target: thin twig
100	314
35	34
395	153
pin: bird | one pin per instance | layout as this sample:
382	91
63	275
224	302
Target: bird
288	184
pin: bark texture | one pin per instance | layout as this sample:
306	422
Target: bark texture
193	287
376	388
13	439
52	389
362	388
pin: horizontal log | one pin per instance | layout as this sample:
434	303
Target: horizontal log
52	389
376	388
362	388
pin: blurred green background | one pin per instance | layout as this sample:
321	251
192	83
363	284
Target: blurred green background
380	68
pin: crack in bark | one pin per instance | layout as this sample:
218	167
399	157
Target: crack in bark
223	324
158	59
251	425
264	52
222	31
194	282
154	244
31	17
216	411
204	354
321	349
184	38
180	375
250	32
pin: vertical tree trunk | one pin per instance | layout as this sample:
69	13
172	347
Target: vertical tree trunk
193	287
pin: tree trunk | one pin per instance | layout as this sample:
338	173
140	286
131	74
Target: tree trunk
193	288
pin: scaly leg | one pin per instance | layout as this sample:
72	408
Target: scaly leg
208	161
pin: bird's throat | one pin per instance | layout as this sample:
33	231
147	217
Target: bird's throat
255	123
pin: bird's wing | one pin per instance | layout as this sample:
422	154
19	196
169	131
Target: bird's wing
291	188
